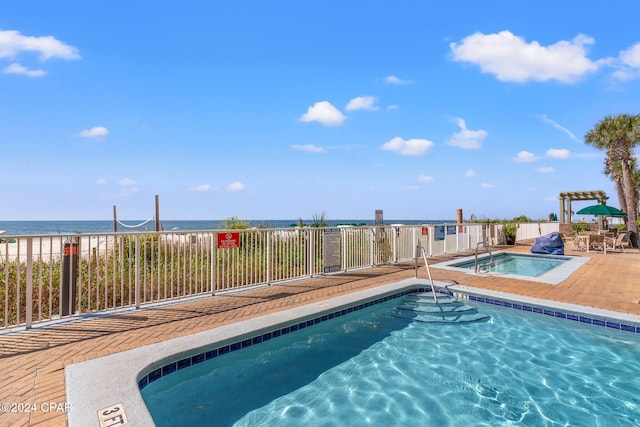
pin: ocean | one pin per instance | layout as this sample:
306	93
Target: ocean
20	228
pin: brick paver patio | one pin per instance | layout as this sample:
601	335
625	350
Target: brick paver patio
32	362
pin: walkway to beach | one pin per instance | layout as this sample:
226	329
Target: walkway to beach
32	362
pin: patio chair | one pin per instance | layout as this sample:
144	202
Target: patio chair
580	243
596	241
617	243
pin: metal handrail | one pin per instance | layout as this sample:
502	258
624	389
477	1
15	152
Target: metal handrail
426	264
486	246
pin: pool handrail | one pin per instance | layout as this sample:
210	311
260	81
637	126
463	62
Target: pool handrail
421	249
486	246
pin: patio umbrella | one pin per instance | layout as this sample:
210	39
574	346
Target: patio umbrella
601	210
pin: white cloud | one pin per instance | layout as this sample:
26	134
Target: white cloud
485	185
393	80
629	64
126	182
362	103
200	188
411	147
425	178
325	113
470	173
558	153
393	107
101	181
545	169
510	58
631	56
557	126
235	186
525	157
12	43
19	69
309	148
94	132
467	139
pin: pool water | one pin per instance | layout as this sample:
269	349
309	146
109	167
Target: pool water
520	264
368	368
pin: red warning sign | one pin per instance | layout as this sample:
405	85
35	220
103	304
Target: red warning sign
425	231
228	240
70	249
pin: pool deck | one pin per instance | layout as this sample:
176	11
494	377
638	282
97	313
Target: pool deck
32	362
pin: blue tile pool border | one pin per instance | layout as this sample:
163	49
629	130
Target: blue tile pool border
567	315
177	365
211	353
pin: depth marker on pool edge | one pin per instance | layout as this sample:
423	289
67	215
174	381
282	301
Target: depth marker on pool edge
112	416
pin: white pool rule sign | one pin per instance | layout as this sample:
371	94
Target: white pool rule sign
331	250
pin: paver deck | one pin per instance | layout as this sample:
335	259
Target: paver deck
32	362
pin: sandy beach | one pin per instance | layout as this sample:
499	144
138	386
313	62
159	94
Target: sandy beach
17	248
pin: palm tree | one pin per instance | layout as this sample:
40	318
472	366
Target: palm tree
619	135
613	169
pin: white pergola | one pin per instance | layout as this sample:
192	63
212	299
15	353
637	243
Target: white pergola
566	198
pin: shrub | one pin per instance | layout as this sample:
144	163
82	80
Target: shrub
578	227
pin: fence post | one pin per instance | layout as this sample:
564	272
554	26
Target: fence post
372	235
308	251
214	257
29	295
269	257
137	272
69	275
396	231
343	238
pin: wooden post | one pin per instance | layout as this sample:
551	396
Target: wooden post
115	220
157	214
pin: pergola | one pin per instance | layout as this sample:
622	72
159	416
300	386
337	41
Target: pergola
568	196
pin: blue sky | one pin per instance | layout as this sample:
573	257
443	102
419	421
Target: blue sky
286	109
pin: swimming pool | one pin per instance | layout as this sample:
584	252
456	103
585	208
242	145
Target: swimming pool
369	368
543	268
479	361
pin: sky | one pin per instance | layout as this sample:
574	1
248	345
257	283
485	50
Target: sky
289	109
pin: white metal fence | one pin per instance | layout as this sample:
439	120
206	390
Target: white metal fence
48	277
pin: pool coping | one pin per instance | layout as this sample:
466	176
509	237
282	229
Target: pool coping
91	386
554	277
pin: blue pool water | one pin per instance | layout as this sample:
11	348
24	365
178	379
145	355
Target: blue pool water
520	264
367	368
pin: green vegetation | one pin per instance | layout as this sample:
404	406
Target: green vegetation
234	223
521	218
578	227
320	220
618	136
509	231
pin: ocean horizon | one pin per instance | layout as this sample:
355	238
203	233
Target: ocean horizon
44	227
